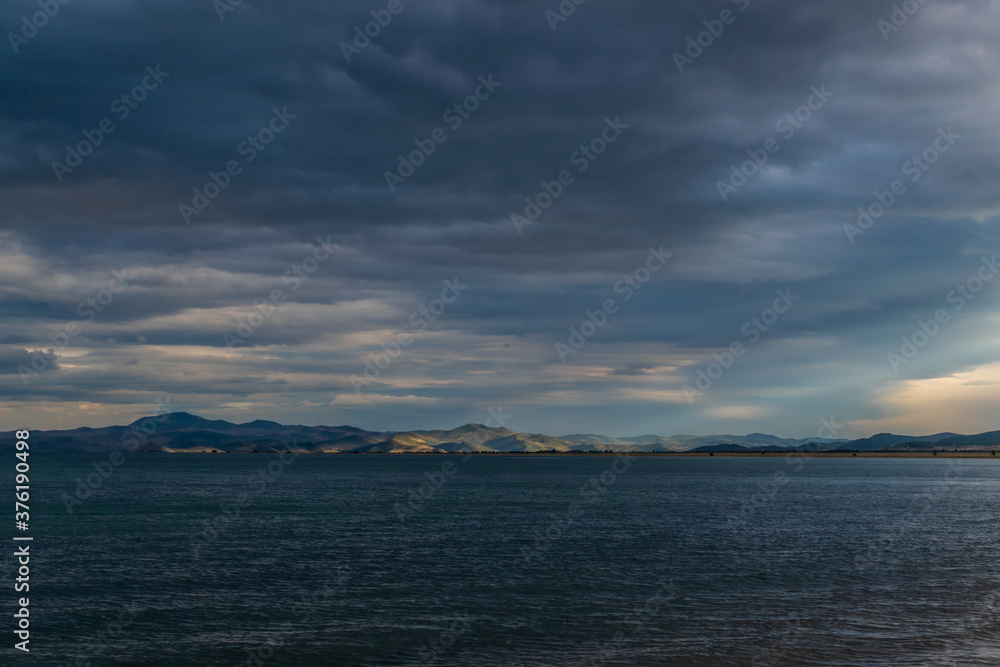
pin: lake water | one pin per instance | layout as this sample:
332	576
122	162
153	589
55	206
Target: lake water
325	560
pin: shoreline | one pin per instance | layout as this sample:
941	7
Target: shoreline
751	455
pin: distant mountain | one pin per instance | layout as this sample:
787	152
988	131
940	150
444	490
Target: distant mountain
683	443
643	443
881	441
468	438
731	448
969	443
182	431
350	443
402	443
983	441
590	439
185	432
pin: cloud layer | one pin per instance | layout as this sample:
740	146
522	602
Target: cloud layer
305	247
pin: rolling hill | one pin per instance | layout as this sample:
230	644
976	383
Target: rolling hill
184	432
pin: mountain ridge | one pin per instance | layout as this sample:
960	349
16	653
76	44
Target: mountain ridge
186	432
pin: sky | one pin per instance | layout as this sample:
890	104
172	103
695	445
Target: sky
619	218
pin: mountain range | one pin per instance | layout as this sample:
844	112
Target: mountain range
184	432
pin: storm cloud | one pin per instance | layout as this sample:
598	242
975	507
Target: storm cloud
253	209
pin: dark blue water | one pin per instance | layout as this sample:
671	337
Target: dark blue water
662	561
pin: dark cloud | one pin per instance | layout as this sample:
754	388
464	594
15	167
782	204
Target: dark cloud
323	177
17	360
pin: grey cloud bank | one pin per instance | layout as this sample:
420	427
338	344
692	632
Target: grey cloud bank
563	82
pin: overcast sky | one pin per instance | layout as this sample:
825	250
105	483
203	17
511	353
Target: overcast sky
644	126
